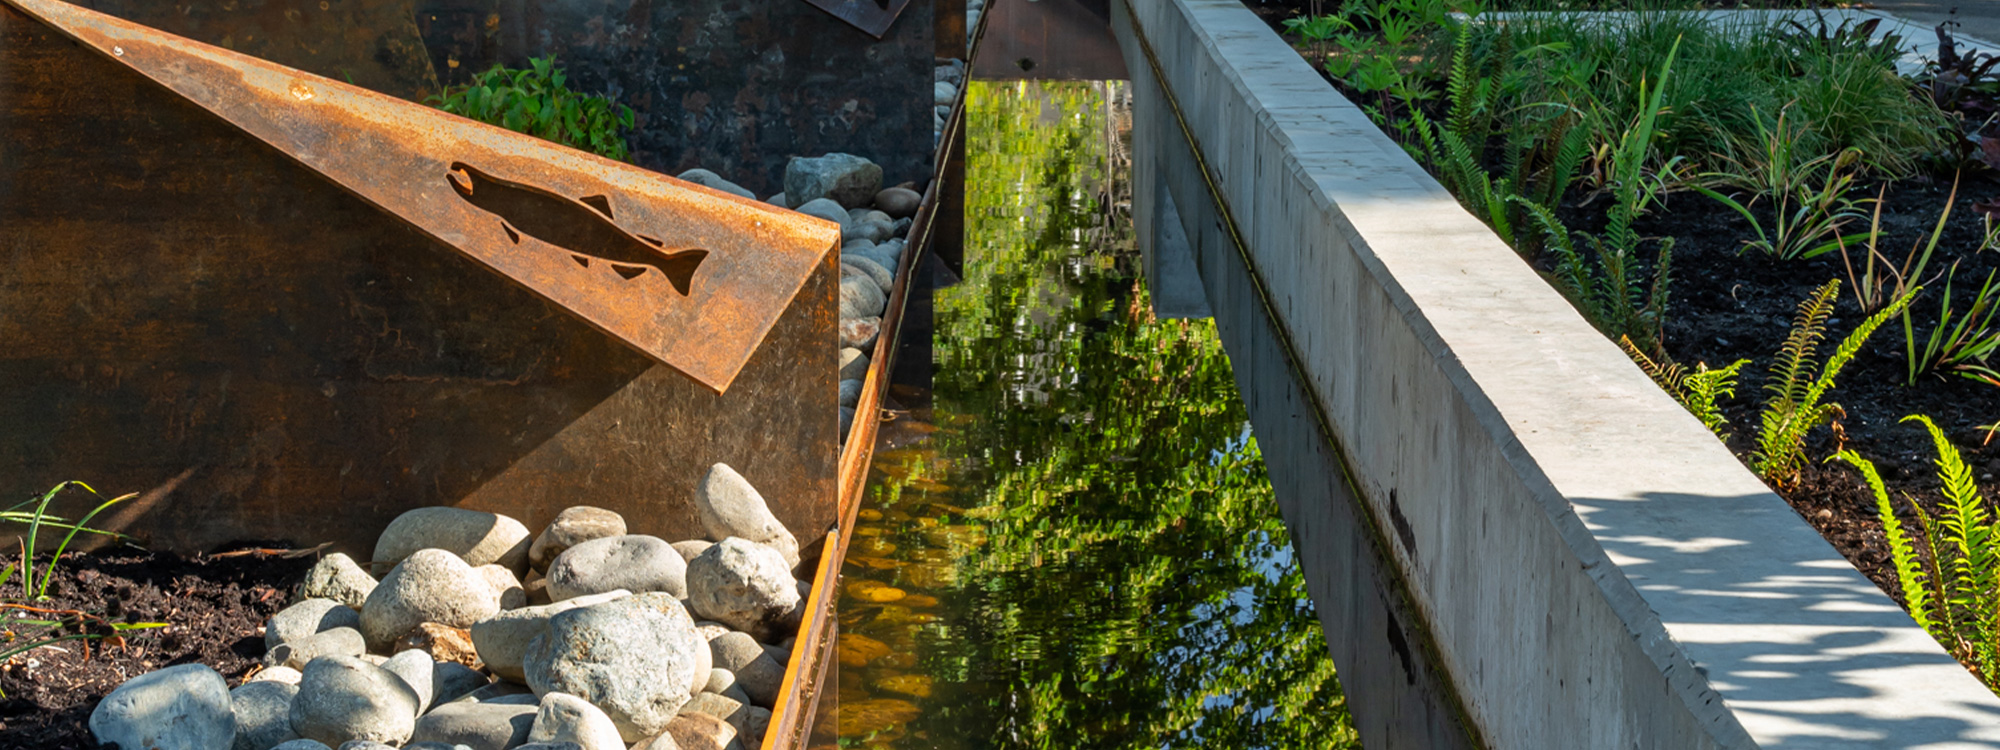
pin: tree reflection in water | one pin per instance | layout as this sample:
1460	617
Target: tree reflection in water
1085	552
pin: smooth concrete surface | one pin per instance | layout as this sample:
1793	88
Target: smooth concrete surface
1514	539
1169	264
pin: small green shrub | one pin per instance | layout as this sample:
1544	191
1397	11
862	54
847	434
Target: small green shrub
537	101
1700	390
1798	384
1951	584
1805	215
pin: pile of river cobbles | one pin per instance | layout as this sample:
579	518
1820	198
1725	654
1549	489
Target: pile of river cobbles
481	636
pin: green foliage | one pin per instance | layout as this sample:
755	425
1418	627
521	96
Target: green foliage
39	517
1700	390
537	100
1961	341
1952	586
28	632
1609	291
1798	383
1805	217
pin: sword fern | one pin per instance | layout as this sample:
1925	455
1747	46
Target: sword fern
1795	405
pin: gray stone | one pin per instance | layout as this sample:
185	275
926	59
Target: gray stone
478	537
729	506
850	390
710	629
714	181
507	589
432	585
263	714
883	255
566	718
745	585
726	709
900	229
550	746
823	209
734	649
847	179
366	745
874	231
846	421
339	578
690	548
503	639
762	679
704	663
778	654
779	200
573	526
719	679
853	364
883	276
436	746
302	745
297	653
634	657
498	692
898	202
860	334
342	698
480	726
943	93
635	562
416	669
185	707
285	675
756	719
700	732
735	693
537	588
307	617
861	298
856	246
450	680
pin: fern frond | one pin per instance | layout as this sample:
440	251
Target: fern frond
1788	380
1970	532
1706	388
1909	567
1851	345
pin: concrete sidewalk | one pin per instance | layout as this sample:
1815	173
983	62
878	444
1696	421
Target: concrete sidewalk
1977	18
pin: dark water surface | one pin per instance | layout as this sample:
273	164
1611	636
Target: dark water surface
1076	545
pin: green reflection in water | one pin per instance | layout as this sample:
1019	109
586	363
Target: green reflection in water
1085	551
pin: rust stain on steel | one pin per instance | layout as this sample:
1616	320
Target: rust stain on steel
600	217
871	16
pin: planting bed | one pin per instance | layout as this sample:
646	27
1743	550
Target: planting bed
214	604
1726	302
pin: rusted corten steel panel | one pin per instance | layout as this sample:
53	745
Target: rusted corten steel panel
872	16
578	229
281	328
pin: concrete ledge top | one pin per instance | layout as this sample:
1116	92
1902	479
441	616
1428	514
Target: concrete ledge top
1704	564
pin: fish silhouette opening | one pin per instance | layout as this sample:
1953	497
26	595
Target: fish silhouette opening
582	227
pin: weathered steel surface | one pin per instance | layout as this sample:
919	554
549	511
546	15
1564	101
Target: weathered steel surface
554	210
370	43
1057	40
730	86
872	16
266	351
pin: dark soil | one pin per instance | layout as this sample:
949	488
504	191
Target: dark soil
1726	305
213	605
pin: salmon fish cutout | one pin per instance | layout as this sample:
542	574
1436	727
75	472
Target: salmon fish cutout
583	227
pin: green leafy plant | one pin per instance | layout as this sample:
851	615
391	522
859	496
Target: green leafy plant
1609	292
39	517
27	632
1798	383
1805	216
1963	344
1700	390
1875	287
1952	584
538	101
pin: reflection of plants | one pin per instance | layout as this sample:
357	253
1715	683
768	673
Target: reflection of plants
1949	586
1798	384
538	101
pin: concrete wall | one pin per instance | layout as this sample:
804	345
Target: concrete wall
1513	538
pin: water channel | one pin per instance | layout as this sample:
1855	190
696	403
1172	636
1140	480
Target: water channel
1073	543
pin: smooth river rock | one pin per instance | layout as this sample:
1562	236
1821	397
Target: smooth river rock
185	707
416	668
728	506
566	718
745	585
859	333
633	657
503	639
431	585
301	745
861	298
339	578
635	562
691	548
263	714
307	617
478	537
297	653
849	180
573	526
714	181
853	364
342	698
823	208
898	202
480	726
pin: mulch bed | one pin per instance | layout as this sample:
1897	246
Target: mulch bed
214	605
1726	305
